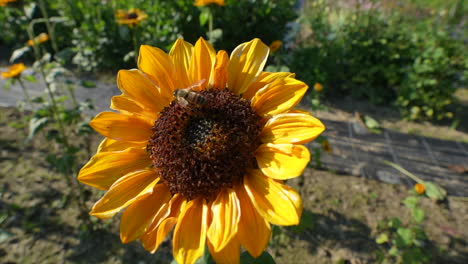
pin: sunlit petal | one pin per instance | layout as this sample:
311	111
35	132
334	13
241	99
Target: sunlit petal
282	161
276	202
279	96
225	210
124	191
106	167
157	64
181	55
246	64
190	233
254	231
122	127
137	217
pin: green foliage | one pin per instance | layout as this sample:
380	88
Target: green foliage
385	58
244	20
432	78
404	243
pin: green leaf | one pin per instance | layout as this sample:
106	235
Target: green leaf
307	222
394	223
35	125
30	78
204	16
8	83
29	9
382	238
406	236
372	124
418	214
88	84
17	53
434	191
265	258
411	201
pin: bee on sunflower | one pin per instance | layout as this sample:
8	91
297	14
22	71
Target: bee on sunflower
210	168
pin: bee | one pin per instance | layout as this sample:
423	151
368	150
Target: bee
187	96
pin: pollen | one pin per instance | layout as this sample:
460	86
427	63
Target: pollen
197	150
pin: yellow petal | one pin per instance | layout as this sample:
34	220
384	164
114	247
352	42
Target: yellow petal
137	217
294	128
190	233
152	241
202	62
220	72
126	105
282	161
181	54
109	144
253	231
140	87
162	223
124	191
246	64
263	79
122	127
157	64
276	202
104	168
230	254
226	213
279	96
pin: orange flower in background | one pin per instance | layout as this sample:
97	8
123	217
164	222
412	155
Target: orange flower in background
41	38
207	2
13	71
275	45
318	87
201	144
419	188
6	2
131	17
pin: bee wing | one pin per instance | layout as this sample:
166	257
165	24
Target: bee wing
196	85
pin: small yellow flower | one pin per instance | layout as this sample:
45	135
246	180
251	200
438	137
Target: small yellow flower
207	2
14	71
131	17
419	188
275	45
6	2
326	146
41	38
318	87
201	143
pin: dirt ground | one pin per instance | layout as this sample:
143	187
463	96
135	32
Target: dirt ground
40	224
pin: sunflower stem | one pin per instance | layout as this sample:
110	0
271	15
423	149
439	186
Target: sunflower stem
135	43
50	29
210	26
25	92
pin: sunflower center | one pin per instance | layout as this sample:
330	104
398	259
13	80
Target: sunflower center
132	15
199	148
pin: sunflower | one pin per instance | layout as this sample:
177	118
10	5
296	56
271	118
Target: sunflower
14	71
41	38
131	17
318	87
419	188
207	2
201	143
275	45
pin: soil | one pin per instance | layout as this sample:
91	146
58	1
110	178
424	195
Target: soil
41	223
